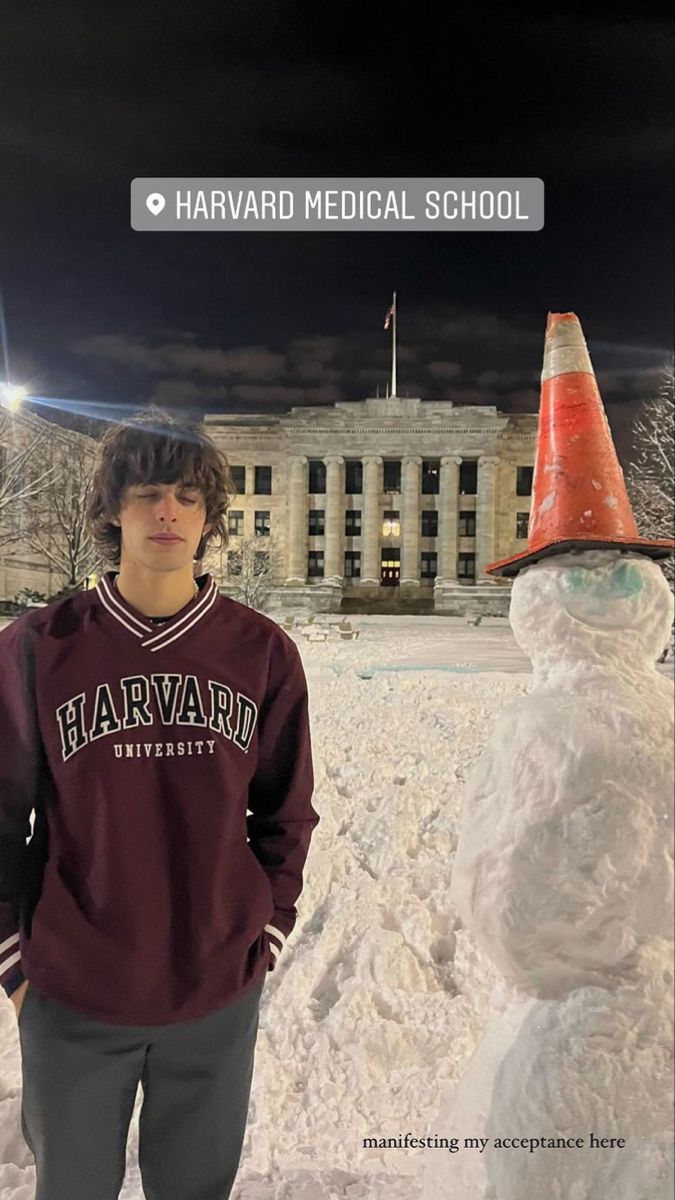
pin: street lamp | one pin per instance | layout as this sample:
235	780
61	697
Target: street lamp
12	396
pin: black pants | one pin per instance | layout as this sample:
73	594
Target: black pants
80	1080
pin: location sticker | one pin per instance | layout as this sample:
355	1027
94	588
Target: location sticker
155	203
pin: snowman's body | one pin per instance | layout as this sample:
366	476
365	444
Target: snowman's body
564	874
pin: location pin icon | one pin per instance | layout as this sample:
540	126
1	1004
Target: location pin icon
155	203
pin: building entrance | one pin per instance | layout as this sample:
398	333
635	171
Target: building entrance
390	572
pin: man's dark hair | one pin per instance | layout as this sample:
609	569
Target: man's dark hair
153	446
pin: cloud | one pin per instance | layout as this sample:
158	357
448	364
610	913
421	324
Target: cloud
245	362
326	394
505	378
469	396
496	362
444	370
118	348
267	396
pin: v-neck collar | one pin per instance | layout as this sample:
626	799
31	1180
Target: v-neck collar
141	627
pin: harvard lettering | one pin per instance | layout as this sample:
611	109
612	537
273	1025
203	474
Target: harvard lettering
177	701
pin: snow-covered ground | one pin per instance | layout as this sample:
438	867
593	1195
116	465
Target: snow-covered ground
380	996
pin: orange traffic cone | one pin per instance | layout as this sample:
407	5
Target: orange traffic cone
579	497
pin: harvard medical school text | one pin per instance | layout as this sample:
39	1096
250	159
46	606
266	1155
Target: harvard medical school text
307	205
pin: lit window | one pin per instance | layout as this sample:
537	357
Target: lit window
391	525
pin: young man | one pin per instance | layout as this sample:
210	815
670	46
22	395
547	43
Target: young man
160	731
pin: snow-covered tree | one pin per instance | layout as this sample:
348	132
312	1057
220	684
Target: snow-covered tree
20	481
651	471
254	566
54	521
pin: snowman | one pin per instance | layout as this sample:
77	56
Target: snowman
564	866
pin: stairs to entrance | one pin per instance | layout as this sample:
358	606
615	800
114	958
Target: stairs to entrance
391	604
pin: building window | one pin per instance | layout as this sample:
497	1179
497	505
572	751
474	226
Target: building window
233	562
431	476
352	564
429	522
522	521
468	478
315	564
391	524
317	522
391	475
262	524
353	477
353	522
235	523
467	524
466	566
263	481
239	479
429	565
317	477
260	562
524	481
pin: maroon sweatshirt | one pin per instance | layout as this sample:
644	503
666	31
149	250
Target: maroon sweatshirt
170	769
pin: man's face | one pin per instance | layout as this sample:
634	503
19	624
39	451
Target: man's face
149	512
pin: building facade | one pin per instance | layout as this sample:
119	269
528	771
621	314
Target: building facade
386	503
392	503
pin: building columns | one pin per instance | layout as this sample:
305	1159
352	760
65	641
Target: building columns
410	520
335	518
371	567
449	511
297	520
485	515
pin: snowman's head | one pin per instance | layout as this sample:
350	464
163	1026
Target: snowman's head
589	604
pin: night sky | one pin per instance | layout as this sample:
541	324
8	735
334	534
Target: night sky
101	316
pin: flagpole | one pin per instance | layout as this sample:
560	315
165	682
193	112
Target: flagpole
393	349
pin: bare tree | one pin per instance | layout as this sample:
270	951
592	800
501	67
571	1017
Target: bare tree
20	482
55	520
650	474
254	566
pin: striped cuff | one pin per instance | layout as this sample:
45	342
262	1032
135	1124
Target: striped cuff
11	974
277	941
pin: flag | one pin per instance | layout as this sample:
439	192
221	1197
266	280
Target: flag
388	317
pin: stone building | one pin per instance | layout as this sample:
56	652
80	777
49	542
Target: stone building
387	503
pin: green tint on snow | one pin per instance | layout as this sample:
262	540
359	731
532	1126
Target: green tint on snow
624	581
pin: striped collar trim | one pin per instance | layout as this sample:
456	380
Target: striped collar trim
178	625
